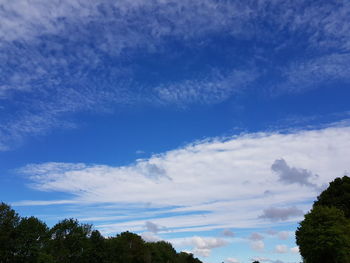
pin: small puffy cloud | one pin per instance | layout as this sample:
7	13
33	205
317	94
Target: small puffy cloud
228	233
203	245
204	252
150	237
294	250
292	175
256	236
152	227
283	235
208	242
257	245
152	170
263	259
260	259
232	260
281	249
280	214
271	232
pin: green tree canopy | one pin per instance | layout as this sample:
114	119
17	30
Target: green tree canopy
162	252
324	236
96	248
337	194
32	236
9	221
68	240
29	240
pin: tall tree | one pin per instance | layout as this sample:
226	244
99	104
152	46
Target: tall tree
127	247
9	221
69	241
32	238
337	194
324	236
161	252
96	248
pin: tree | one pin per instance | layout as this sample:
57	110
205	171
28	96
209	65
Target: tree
337	195
69	240
127	247
32	237
9	221
184	257
97	248
161	252
28	240
324	236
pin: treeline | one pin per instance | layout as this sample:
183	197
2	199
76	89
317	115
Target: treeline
30	240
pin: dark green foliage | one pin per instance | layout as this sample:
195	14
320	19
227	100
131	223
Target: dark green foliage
96	251
187	258
32	236
337	194
127	247
324	234
29	240
161	252
9	221
69	241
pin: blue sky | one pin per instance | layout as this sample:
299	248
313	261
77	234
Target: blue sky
210	124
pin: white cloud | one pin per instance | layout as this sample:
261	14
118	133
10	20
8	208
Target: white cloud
152	227
214	184
264	259
281	249
50	74
210	90
201	246
150	237
290	175
208	242
232	260
256	236
314	73
228	233
257	245
280	214
283	235
294	250
203	252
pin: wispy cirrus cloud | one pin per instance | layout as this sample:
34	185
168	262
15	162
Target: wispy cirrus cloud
214	89
58	58
313	73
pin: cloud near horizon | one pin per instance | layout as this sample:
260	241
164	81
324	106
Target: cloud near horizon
214	184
